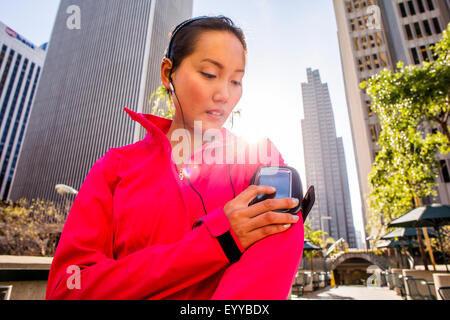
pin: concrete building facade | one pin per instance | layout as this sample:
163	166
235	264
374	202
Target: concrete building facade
373	35
325	163
110	60
20	67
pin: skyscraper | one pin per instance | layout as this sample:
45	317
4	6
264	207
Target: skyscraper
325	162
20	67
373	35
104	55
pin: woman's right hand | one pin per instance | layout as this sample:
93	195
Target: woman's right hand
255	222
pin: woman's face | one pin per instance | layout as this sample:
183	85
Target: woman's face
208	83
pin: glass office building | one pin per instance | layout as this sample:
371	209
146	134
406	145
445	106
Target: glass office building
111	61
20	67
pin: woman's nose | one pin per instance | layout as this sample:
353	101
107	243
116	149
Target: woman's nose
222	93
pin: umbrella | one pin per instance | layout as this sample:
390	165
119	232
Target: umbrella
435	215
405	233
308	246
393	243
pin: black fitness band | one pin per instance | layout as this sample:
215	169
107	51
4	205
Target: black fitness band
229	246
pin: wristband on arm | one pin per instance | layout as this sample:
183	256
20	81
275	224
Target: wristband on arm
227	242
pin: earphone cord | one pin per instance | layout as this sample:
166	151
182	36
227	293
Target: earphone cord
189	140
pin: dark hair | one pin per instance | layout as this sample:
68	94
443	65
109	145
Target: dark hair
185	40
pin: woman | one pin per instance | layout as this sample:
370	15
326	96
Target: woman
142	227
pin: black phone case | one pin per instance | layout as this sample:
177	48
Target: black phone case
297	191
308	202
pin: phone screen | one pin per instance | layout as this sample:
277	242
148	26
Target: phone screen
281	181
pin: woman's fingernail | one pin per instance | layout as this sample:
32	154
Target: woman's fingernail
294	201
287	225
295	218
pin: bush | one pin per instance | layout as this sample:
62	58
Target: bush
30	228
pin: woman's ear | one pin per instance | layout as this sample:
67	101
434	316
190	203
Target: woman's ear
166	67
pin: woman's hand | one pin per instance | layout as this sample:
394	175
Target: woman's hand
255	222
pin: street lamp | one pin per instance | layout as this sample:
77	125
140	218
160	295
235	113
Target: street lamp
64	190
323	242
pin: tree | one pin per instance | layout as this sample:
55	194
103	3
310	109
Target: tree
316	237
412	105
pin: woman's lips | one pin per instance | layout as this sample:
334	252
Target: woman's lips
215	114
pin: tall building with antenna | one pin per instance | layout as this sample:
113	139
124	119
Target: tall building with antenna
325	163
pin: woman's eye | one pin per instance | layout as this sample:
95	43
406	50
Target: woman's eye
210	76
237	83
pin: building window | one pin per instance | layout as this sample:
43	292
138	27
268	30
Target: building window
423	49
420	5
10	87
379	39
430	5
411	8
434	55
2	55
356	41
373	133
356	5
6	70
372	41
444	170
349	7
402	9
375	61
418	31
364	4
437	26
426	26
369	106
408	30
361	65
364	42
368	63
383	59
352	23
360	23
415	56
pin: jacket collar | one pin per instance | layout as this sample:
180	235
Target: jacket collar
157	127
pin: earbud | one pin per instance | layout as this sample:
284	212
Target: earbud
171	86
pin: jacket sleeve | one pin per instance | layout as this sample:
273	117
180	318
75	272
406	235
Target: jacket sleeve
267	269
84	266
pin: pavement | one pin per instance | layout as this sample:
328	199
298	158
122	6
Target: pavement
350	293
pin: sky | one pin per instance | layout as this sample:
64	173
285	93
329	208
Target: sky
284	38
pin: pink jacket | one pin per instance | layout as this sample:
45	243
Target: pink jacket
129	233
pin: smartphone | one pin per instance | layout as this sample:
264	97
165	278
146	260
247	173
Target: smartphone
281	178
